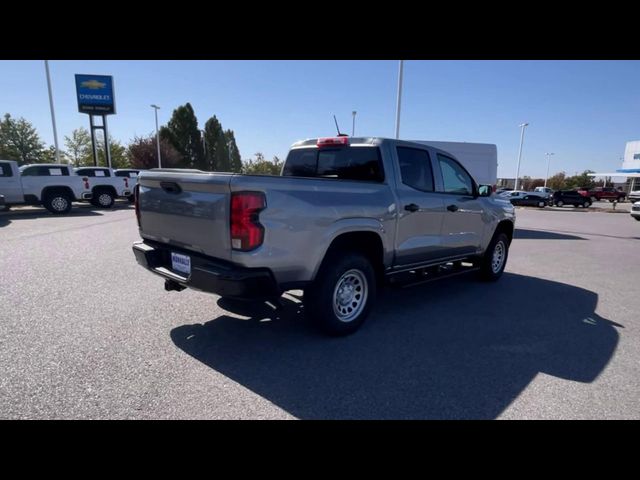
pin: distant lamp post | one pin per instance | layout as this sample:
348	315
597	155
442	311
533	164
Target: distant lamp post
353	127
548	154
522	126
156	108
398	101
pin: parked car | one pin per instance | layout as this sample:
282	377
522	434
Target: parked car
634	195
132	175
635	211
570	197
52	185
605	193
529	200
3	207
345	214
511	194
543	191
105	185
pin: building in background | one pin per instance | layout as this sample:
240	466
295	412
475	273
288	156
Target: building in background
628	175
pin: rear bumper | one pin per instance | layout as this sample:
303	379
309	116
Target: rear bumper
208	274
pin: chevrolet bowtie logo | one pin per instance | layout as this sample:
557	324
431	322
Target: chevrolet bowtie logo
93	84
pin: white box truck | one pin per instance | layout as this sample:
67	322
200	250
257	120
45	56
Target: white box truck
480	159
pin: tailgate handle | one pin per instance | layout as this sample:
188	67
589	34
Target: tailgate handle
170	187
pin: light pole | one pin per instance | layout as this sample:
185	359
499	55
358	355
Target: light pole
548	163
53	115
353	127
522	126
156	108
399	98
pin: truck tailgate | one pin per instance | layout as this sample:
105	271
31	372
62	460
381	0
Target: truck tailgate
188	209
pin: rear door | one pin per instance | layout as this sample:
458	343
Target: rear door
463	224
421	210
187	209
10	184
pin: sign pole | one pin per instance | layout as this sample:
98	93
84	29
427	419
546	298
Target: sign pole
93	141
106	141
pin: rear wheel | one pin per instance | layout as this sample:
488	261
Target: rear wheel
103	199
341	297
58	203
541	204
494	260
586	204
131	198
559	203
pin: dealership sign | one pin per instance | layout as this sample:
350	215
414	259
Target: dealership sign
95	94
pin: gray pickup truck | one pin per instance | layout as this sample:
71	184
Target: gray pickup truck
345	215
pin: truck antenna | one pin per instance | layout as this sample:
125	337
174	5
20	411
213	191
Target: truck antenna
338	128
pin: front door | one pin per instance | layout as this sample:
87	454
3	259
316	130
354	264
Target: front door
464	217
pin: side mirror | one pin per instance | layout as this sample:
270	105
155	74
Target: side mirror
484	190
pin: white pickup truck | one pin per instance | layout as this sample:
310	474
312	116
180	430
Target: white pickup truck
54	186
132	175
106	186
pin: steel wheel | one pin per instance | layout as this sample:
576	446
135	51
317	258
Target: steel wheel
350	295
499	255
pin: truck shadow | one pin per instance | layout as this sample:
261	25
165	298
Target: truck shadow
525	234
18	213
456	349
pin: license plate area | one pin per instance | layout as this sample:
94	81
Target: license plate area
181	263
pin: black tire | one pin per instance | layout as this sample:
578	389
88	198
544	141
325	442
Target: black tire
541	204
103	199
559	203
131	198
58	203
586	204
637	218
488	272
351	270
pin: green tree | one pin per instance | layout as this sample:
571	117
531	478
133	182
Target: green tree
49	155
143	153
217	151
79	147
183	134
582	180
19	141
234	152
261	166
119	158
557	181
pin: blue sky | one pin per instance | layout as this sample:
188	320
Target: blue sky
583	111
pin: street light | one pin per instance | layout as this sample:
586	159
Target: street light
399	98
353	128
156	108
53	115
548	163
522	126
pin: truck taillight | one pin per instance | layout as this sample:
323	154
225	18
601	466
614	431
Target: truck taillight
86	183
246	231
136	195
126	182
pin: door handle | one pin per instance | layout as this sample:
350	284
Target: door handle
412	207
452	208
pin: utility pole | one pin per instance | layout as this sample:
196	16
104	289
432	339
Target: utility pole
548	163
522	126
156	108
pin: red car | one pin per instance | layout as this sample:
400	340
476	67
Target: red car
604	193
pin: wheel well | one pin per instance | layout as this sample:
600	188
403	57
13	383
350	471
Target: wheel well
100	188
506	227
61	189
368	243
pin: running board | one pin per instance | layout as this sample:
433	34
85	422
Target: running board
425	275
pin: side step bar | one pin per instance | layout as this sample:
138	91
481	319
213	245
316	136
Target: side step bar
429	274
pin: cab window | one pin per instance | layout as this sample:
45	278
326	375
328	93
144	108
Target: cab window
454	177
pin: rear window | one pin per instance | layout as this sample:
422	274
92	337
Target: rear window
346	163
93	172
5	170
128	174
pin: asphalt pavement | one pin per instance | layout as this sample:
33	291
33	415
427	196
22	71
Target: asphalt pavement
87	333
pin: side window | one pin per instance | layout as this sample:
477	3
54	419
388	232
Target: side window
35	172
85	172
56	172
455	178
301	163
5	170
415	168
